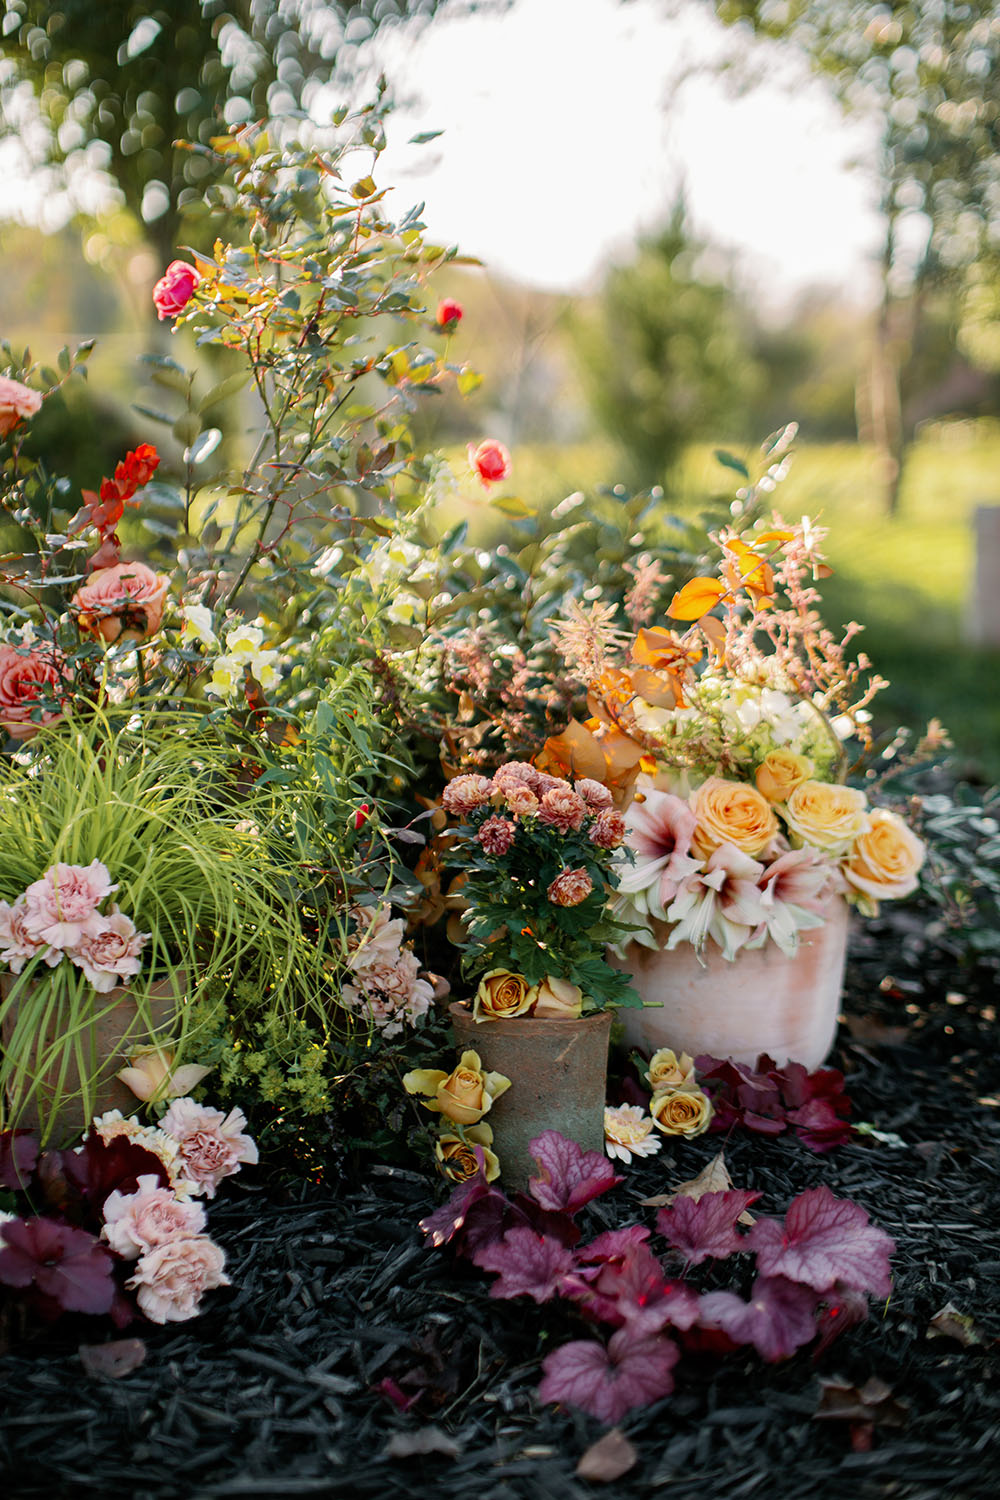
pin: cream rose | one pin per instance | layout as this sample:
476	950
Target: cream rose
827	815
730	812
558	1000
456	1157
780	772
463	1095
668	1071
681	1111
885	859
501	996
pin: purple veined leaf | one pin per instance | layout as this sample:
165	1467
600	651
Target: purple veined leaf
18	1158
442	1226
761	1095
609	1382
763	1124
569	1177
634	1293
778	1319
529	1265
67	1267
819	1127
613	1244
844	1309
706	1229
823	1240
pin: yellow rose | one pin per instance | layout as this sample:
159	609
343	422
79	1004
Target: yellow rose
886	858
456	1157
730	812
668	1071
685	1111
558	1000
826	814
463	1095
780	772
502	995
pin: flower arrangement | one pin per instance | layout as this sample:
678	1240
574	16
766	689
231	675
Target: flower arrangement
535	854
742	827
120	1215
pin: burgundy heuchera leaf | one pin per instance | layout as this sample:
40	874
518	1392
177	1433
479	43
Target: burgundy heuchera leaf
569	1176
706	1229
818	1126
18	1158
609	1382
530	1265
633	1291
824	1240
779	1318
68	1268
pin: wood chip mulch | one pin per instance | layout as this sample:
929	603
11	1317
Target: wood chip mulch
276	1389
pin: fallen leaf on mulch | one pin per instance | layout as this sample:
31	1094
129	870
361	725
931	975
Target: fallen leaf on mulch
424	1440
864	1407
714	1178
112	1361
949	1323
609	1458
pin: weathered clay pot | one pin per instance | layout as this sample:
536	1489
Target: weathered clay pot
558	1070
759	1002
107	1040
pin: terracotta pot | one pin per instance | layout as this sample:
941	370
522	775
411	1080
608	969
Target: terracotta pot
558	1070
107	1040
760	1002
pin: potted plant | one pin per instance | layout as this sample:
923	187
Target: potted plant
749	842
535	854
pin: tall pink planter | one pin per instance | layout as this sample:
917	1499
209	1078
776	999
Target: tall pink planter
760	1002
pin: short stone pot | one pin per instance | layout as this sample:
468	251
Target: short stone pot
112	1033
557	1071
761	1001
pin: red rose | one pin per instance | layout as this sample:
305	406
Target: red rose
491	461
173	291
449	313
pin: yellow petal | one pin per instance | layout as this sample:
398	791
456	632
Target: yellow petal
424	1081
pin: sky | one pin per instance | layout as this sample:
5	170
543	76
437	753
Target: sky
571	125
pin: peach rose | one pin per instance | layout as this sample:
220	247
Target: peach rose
501	996
125	601
456	1157
170	1279
668	1071
463	1095
780	772
175	288
827	815
681	1111
17	401
558	1000
24	676
886	858
730	812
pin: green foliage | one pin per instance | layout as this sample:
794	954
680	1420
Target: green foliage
963	866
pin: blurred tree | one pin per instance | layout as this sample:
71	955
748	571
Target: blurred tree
665	353
132	78
929	72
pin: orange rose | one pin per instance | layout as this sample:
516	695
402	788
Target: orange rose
730	812
463	1095
826	814
501	996
780	772
558	1000
886	858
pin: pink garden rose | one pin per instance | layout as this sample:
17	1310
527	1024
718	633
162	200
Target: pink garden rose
491	462
17	401
135	1223
16	943
174	290
171	1279
61	908
212	1145
111	952
122	601
25	675
449	313
570	887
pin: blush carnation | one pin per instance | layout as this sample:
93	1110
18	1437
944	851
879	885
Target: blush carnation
171	1279
135	1223
570	887
111	952
212	1145
465	794
17	944
561	808
389	992
496	835
25	677
61	908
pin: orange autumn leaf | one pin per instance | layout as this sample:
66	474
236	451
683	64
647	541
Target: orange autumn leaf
762	538
696	598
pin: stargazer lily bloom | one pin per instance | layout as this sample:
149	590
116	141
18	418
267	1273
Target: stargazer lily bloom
722	901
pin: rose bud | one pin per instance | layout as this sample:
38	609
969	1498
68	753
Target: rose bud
449	313
491	462
175	288
558	1000
361	817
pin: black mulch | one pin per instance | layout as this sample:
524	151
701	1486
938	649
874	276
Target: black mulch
273	1391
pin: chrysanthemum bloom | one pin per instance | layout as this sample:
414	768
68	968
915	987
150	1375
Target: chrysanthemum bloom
515	773
594	793
562	809
522	802
628	1132
570	887
465	793
496	835
608	831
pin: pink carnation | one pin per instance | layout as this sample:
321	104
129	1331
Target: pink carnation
562	809
25	677
608	831
212	1146
111	952
570	887
61	908
175	288
153	1215
17	401
171	1279
16	943
390	994
125	601
594	793
516	773
465	794
497	835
